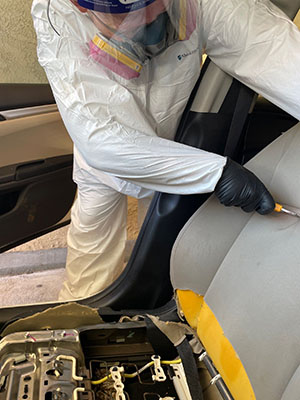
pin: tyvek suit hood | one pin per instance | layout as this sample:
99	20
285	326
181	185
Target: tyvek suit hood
122	127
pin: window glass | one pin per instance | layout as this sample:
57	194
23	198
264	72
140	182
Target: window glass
18	61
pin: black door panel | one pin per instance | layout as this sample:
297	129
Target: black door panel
33	197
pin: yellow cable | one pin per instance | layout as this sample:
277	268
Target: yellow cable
166	362
178	361
101	380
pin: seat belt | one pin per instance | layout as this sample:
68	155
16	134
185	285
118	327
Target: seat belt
163	346
190	368
244	102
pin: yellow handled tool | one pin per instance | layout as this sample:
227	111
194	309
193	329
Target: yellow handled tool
280	208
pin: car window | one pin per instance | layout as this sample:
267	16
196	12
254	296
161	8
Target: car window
18	61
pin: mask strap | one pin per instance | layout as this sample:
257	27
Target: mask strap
48	16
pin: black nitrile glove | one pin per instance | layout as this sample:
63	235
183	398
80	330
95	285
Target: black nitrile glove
241	188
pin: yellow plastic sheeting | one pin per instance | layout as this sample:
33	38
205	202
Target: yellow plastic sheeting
220	350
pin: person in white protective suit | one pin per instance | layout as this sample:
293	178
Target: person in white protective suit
121	72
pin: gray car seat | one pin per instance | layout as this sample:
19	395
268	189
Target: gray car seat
237	277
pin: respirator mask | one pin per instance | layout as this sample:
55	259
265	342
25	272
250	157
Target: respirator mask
131	32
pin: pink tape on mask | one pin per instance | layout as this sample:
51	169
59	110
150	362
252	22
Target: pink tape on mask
112	63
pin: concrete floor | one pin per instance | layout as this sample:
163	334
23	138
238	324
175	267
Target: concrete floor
38	287
30	277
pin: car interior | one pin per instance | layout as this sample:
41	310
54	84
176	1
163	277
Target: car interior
229	275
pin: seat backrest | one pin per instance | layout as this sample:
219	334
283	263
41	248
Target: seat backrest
238	277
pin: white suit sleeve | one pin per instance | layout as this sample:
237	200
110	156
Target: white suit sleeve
256	43
109	128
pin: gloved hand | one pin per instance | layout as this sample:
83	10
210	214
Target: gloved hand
241	188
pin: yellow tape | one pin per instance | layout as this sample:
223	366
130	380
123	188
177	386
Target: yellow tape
101	44
216	344
191	304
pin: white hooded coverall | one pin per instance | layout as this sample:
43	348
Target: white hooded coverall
123	129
